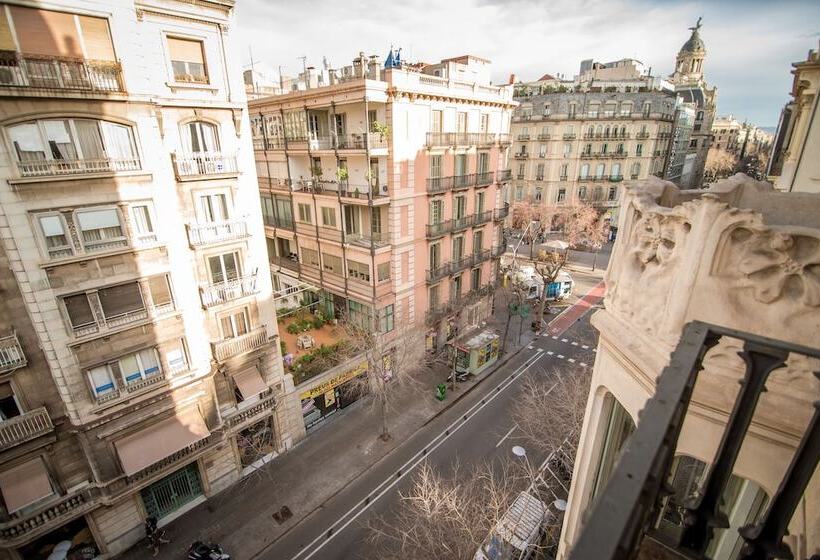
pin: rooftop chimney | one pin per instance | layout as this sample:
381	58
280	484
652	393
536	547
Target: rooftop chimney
512	79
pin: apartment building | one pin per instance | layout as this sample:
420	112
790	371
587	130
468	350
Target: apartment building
138	353
584	147
725	133
382	189
680	162
723	410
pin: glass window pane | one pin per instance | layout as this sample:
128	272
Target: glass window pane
215	265
150	364
119	300
231	266
118	141
130	368
160	290
142	219
79	310
27	142
101	380
89	139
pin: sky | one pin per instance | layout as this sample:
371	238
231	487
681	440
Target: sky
750	45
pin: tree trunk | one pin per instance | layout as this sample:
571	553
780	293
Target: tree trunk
506	330
520	327
385	430
594	259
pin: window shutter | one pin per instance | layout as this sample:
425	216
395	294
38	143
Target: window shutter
6	38
160	291
79	311
46	32
118	300
97	38
185	50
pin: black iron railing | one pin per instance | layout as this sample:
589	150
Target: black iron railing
630	502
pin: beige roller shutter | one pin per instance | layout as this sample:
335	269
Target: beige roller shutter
185	50
97	38
25	484
6	38
46	32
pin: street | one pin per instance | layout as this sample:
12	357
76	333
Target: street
478	428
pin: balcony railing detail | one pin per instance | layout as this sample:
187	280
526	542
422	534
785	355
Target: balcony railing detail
59	167
55	73
285	262
504	175
463	181
438	272
240	417
137	315
482	217
204	164
223	292
440	228
229	347
11	353
460	139
484	178
626	508
462	223
216	232
25	526
27	426
501	213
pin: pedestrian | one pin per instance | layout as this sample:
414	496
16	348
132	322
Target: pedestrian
154	534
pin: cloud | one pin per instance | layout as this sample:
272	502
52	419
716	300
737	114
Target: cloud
750	43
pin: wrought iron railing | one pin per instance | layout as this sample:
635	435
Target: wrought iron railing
203	164
463	181
59	167
462	223
439	228
630	502
482	217
58	73
504	175
484	178
25	427
439	184
11	353
438	272
501	213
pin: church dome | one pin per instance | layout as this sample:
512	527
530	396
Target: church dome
695	43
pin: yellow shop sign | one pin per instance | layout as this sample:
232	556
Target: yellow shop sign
334	382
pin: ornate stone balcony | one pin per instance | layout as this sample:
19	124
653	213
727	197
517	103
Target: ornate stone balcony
216	232
24	527
60	167
11	353
43	72
248	415
23	428
223	292
230	347
204	165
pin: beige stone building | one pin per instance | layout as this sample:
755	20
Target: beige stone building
794	165
585	146
739	256
139	367
725	133
382	190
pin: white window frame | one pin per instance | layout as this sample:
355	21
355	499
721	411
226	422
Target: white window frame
49	251
237	253
143	372
91	245
170	65
209	194
232	314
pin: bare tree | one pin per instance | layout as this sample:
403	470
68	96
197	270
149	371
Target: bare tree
549	410
393	359
447	517
719	163
524	212
513	293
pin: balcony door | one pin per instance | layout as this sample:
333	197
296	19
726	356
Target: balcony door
200	137
234	324
9	408
352	225
461	164
212	208
224	268
435	256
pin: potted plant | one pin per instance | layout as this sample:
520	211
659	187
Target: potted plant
381	128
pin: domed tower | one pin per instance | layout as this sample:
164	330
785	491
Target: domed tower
689	63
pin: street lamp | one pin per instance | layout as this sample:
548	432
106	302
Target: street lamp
521	453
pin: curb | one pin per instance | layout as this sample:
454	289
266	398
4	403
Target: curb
388	454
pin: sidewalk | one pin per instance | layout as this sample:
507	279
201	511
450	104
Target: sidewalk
241	517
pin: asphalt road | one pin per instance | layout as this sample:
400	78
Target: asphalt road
477	428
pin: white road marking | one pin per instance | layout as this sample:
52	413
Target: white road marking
555	338
563	340
530	347
574	343
387	484
549	352
582	364
497	445
560	356
585	347
571	360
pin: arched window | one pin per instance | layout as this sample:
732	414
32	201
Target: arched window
623	132
599	130
599	171
50	146
585	171
615	171
538	193
591	130
200	137
606	132
636	170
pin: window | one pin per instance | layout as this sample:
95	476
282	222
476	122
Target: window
478	242
542	150
435	255
268	213
305	214
79	311
70	140
521	168
212	208
436	211
572	110
55	235
562	195
141	220
331	263
647	108
455	289
200	137
483	162
519	192
599	171
604	148
564	171
358	314
101	380
234	324
479	202
223	268
160	290
358	270
187	60
619	426
433	297
177	356
484	123
383	271
639	150
138	366
386	319
475	278
585	171
615	170
371	120
693	144
582	192
461	122
120	300
376	221
539	172
567	149
612	194
435	166
8	402
461	164
100	229
458	248
459	207
310	257
351	217
539	193
435	124
328	217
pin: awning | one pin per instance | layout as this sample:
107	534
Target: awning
25	484
249	382
160	440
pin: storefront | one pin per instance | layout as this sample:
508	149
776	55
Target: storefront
73	540
477	353
330	396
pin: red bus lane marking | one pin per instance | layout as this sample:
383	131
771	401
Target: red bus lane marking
568	317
